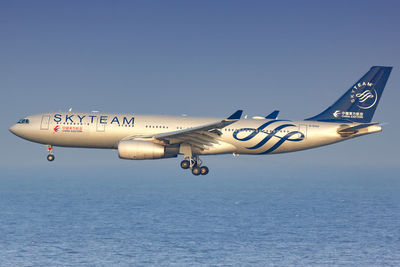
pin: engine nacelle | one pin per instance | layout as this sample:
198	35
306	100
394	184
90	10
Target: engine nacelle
131	149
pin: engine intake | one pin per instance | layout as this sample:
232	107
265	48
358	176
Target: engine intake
131	149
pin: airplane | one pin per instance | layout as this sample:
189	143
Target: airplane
138	137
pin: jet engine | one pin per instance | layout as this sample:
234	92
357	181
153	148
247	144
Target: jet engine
132	149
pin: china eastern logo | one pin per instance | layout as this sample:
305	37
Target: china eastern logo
364	94
56	129
337	114
348	114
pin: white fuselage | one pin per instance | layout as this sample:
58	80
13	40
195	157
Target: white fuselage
246	136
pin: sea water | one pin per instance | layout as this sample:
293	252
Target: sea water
121	218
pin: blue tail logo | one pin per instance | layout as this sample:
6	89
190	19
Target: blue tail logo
365	95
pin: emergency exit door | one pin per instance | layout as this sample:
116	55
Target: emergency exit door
44	125
100	127
303	130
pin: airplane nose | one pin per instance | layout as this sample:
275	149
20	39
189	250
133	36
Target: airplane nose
13	129
20	130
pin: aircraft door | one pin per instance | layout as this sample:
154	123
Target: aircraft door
100	127
303	129
44	125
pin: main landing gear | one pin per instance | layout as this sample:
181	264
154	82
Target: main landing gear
190	161
194	163
50	157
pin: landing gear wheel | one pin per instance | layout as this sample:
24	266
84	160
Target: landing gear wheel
204	170
185	164
50	157
196	171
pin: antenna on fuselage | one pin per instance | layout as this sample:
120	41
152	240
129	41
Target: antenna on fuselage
70	109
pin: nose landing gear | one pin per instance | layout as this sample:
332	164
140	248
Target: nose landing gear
51	156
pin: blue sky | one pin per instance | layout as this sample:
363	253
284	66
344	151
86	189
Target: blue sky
201	58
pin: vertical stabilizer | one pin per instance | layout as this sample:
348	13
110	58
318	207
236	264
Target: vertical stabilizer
358	104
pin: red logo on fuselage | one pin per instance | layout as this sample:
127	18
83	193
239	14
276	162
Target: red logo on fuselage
56	128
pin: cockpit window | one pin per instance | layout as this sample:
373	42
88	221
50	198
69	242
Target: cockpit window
23	121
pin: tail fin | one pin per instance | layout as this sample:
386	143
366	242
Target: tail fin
358	104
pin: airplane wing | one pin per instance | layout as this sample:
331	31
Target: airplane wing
199	137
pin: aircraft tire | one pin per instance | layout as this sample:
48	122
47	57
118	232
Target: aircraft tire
185	164
50	157
196	171
204	170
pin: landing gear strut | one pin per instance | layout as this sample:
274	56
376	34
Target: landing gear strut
51	156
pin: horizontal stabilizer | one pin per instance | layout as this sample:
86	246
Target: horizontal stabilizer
347	131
